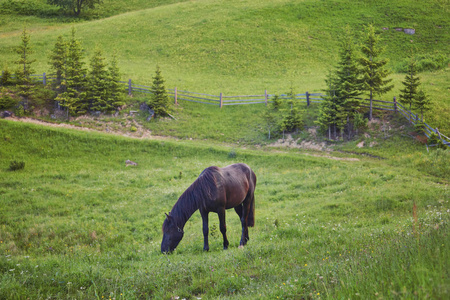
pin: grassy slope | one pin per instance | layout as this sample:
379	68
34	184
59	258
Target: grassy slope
84	226
244	47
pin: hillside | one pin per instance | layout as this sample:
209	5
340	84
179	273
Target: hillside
76	222
242	47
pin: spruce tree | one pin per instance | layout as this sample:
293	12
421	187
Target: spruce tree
57	62
411	85
331	113
115	89
272	115
422	103
23	78
373	67
159	100
348	83
98	84
74	82
6	78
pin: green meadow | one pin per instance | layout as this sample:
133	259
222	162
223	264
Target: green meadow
346	223
77	223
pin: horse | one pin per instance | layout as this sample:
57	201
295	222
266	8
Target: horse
215	190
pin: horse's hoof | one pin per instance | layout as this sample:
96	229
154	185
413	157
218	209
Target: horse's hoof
241	247
225	248
205	250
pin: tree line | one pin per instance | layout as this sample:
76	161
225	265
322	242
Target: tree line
78	89
358	72
363	73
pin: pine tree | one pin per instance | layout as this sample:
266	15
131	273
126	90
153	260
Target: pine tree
98	84
348	83
24	82
373	68
411	84
115	90
74	81
159	100
422	103
57	62
331	112
272	115
6	78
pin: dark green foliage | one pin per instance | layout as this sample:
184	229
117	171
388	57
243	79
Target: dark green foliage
291	119
422	103
359	121
411	95
16	165
6	79
74	81
27	8
6	99
24	71
98	84
435	140
115	90
75	5
272	116
373	67
159	100
347	81
331	112
57	62
411	84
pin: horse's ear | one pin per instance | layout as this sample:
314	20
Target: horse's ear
168	217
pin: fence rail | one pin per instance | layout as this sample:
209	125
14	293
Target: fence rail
226	100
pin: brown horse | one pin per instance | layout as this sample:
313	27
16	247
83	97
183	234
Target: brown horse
215	190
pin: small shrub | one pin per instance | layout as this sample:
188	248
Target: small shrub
360	122
16	165
419	127
19	111
6	101
232	154
133	129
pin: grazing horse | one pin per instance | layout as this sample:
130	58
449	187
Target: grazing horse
215	190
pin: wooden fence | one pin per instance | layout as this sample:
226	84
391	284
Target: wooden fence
225	100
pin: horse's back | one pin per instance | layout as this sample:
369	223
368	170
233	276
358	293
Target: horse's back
239	180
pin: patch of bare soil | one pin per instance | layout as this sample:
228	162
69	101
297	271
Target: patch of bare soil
140	132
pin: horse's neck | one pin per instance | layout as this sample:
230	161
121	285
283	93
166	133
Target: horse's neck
181	212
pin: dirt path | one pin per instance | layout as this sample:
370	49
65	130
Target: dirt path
321	150
141	133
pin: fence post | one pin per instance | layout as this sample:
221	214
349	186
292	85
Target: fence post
265	96
307	99
130	90
221	100
44	79
438	133
176	96
395	104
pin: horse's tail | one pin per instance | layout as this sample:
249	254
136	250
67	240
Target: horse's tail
251	213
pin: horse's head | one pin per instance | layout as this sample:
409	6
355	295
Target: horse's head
172	235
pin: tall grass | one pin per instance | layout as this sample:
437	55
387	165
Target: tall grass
75	222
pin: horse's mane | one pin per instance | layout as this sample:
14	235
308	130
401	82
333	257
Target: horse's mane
204	187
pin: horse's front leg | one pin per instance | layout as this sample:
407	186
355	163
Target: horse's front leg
205	230
223	227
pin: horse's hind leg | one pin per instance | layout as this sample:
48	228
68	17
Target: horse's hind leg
223	227
242	211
